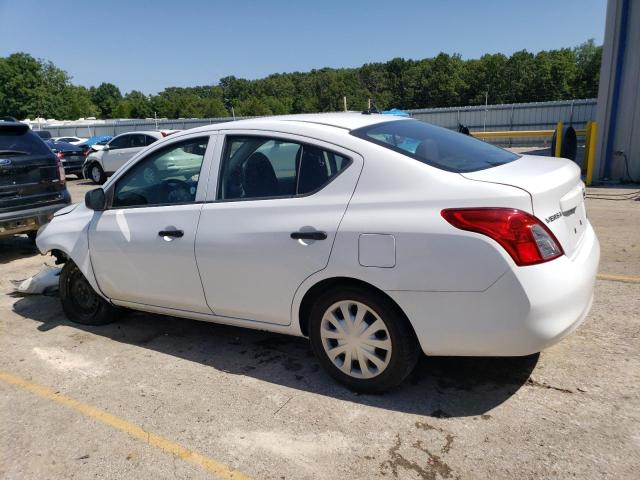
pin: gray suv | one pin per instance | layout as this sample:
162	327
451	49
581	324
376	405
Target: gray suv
32	182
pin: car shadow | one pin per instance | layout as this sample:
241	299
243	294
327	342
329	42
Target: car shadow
439	387
16	247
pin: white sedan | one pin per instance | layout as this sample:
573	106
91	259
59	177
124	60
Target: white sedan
376	237
103	160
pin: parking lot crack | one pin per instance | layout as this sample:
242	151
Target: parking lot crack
282	406
535	383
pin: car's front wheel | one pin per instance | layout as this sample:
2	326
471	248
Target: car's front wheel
96	174
362	340
81	304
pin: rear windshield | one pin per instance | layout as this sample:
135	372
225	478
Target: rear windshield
43	134
436	146
16	143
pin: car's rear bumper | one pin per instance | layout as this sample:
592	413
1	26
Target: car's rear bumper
30	219
525	311
73	165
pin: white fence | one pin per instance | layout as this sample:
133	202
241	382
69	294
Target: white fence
516	116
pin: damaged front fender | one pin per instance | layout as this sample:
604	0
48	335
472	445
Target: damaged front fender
67	236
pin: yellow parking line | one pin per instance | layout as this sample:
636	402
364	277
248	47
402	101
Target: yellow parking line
132	430
619	278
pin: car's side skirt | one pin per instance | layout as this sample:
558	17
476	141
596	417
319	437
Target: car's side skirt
236	322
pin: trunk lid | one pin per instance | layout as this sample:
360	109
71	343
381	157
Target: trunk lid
556	190
28	168
28	180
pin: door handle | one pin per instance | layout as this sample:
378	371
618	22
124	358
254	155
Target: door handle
315	235
171	233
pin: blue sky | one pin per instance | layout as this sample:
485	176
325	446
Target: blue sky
150	45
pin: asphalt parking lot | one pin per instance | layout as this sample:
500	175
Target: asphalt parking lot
158	397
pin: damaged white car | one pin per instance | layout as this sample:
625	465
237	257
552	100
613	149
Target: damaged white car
377	237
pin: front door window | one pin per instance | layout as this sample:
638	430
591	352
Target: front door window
168	176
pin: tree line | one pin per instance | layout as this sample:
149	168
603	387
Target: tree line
31	87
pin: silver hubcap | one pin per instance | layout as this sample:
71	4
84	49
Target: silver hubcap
95	174
355	339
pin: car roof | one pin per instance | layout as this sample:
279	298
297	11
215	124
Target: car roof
342	120
153	133
8	123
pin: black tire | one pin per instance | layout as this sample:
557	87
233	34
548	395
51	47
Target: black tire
80	303
32	235
404	345
96	173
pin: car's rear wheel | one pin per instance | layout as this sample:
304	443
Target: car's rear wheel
362	339
81	304
96	174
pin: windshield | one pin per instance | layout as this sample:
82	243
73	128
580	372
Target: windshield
436	146
21	143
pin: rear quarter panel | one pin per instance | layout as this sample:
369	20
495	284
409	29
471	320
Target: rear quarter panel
402	197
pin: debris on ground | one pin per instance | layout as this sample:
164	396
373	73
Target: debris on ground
45	282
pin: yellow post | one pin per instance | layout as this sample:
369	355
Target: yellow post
590	150
587	136
558	140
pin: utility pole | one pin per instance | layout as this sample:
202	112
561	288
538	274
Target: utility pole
486	102
344	100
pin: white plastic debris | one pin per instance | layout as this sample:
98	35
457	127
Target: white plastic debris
43	282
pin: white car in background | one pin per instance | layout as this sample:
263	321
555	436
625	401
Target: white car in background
103	160
69	139
376	237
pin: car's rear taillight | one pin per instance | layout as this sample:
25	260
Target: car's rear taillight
61	176
522	235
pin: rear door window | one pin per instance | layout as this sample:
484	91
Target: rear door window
123	141
138	141
149	139
262	167
435	146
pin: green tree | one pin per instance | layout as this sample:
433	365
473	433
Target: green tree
139	104
487	77
77	103
519	73
122	110
106	97
30	87
588	60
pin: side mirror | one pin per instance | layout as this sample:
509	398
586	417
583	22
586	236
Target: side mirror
96	200
105	147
